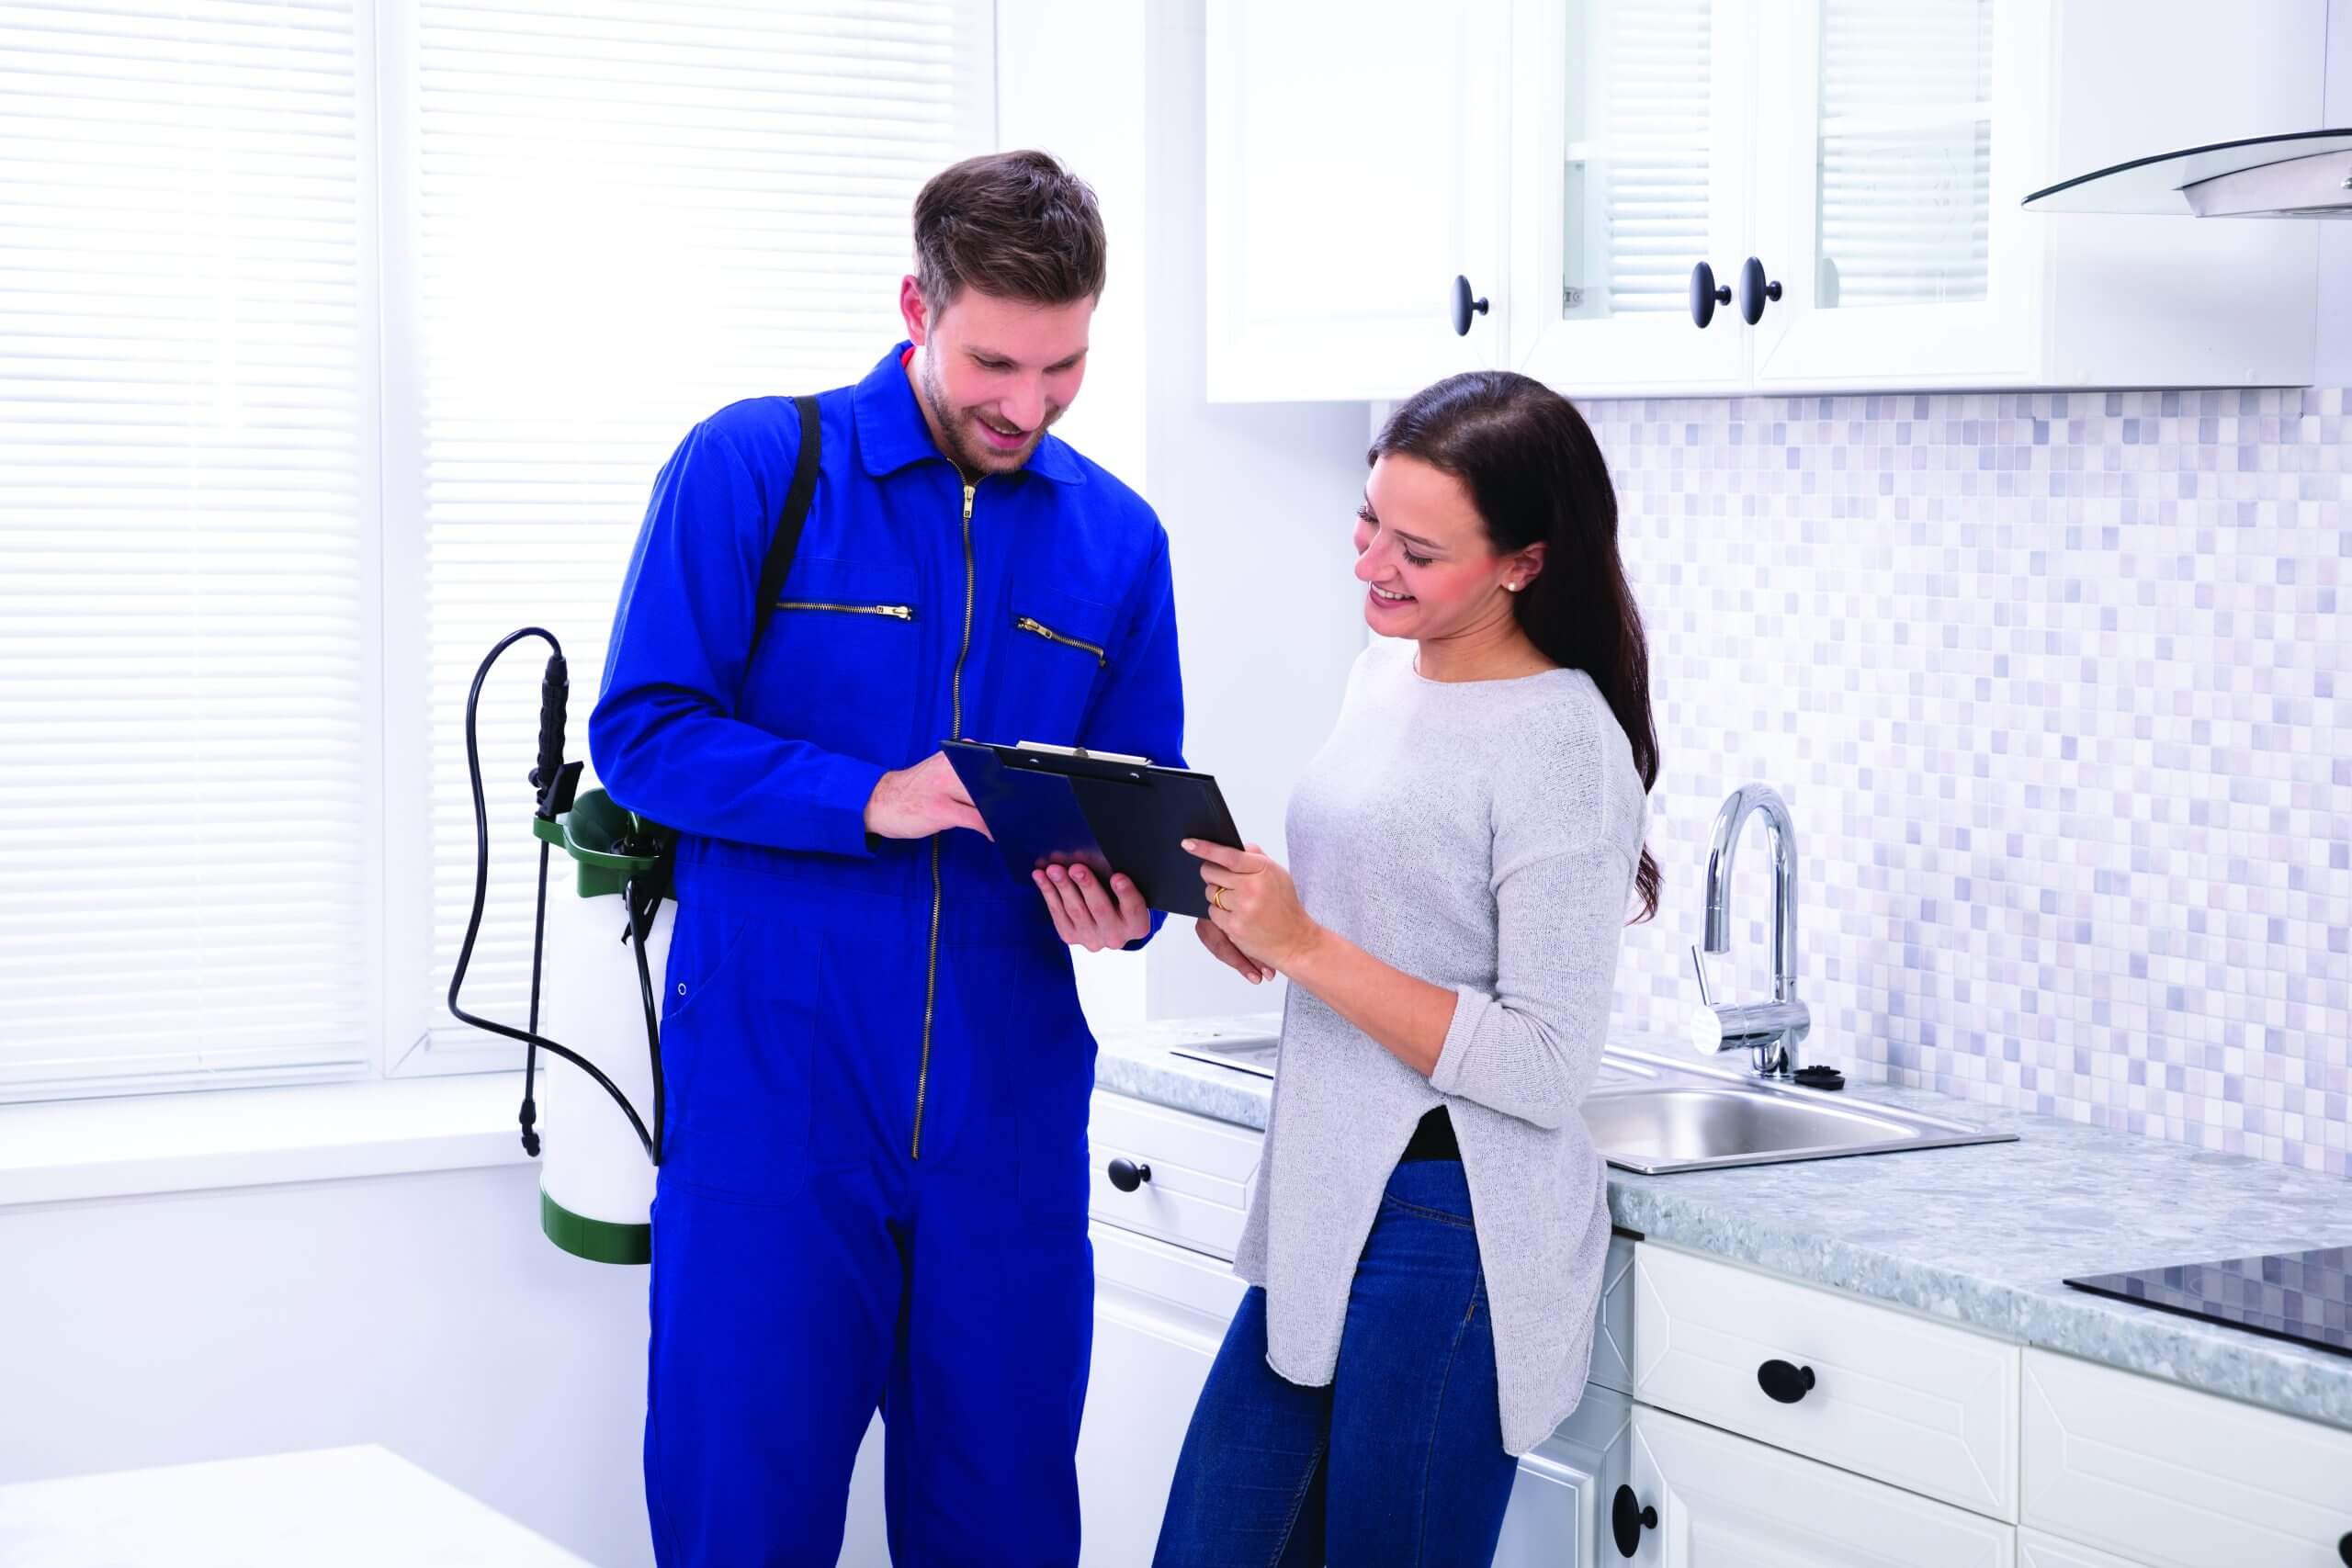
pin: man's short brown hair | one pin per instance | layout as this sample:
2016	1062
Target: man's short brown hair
1016	225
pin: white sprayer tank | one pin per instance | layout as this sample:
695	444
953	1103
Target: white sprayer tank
595	1177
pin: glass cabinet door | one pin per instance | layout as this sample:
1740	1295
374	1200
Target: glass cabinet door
1888	181
1630	167
1903	172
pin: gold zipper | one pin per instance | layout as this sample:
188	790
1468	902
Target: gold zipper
895	612
955	731
1031	624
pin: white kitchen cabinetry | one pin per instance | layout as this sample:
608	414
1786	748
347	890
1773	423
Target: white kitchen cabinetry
1630	162
1925	1406
2162	1475
1164	1231
1895	140
1159	1314
1559	1505
1723	1502
1870	155
1355	169
1912	1441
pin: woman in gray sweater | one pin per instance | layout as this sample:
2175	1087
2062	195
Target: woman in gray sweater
1425	1241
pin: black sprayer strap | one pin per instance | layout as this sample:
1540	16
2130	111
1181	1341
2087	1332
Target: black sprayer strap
779	566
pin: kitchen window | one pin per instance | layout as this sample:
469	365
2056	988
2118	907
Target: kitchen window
337	339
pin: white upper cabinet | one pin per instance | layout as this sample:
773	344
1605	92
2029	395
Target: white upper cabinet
1630	164
1355	170
1887	204
1850	173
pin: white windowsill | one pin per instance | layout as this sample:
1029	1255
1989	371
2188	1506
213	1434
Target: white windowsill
66	1150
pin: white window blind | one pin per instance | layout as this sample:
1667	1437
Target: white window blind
1641	91
618	216
186	440
1907	151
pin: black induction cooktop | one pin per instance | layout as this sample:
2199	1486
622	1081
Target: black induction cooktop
2303	1296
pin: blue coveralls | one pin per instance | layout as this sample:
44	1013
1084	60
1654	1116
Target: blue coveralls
874	1191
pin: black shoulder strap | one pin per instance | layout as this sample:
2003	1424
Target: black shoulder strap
779	566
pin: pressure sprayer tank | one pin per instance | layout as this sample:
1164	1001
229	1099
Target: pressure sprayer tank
595	1177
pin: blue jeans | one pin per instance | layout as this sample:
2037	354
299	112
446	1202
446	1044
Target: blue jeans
1400	1459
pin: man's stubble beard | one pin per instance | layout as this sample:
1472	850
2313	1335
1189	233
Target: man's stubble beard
973	463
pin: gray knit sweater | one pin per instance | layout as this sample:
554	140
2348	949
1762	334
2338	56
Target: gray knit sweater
1481	836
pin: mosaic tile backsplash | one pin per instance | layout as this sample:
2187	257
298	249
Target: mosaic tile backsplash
2055	685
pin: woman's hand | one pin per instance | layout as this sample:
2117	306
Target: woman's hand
1232	957
1254	906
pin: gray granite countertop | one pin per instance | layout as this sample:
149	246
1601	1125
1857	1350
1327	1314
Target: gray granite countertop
1984	1236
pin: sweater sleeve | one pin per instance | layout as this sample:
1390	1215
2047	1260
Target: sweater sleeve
1530	1045
1530	1048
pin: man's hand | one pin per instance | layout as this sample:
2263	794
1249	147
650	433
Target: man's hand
915	803
1085	916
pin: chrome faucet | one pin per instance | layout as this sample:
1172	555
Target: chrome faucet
1771	1031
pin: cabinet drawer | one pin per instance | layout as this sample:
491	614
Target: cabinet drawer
2164	1475
1198	1169
1922	1404
1723	1502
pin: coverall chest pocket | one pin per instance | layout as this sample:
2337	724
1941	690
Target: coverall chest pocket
842	663
1057	656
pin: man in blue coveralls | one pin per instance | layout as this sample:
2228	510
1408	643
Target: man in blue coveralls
873	1187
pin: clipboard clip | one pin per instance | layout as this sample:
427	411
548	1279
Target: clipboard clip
1083	753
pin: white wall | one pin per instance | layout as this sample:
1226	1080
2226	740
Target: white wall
2335	366
1257	500
424	1312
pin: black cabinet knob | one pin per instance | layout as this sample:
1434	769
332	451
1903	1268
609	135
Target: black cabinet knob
1783	1381
1753	290
1126	1175
1628	1519
1706	296
2344	1549
1464	307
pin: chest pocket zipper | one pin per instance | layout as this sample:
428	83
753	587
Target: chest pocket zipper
895	612
1036	627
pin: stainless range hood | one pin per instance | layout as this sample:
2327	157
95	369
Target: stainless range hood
2307	175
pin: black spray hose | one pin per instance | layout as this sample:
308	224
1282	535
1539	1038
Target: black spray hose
636	937
552	693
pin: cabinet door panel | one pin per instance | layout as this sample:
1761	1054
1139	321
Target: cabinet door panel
2165	1476
1159	1314
1355	168
1630	130
1895	139
1559	1505
1723	1502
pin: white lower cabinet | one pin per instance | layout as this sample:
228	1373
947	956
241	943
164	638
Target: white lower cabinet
1710	1500
1159	1314
2162	1475
1559	1505
1734	1419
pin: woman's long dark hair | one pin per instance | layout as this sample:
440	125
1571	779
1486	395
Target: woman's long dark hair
1536	476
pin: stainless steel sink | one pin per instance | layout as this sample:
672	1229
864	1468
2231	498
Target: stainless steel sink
1682	1117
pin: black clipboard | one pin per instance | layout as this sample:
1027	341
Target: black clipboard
1054	806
